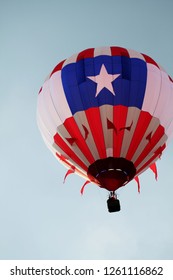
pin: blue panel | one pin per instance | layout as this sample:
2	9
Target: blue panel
129	87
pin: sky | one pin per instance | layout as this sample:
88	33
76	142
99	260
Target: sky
40	217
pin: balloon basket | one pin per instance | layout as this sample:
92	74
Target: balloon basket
113	204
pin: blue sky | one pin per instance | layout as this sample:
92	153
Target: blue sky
40	217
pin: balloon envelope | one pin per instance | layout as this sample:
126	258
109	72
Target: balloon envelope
106	114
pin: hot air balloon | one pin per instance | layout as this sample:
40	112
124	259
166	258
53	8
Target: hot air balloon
106	114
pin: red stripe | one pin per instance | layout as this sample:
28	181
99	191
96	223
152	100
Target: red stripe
60	142
95	123
88	53
57	67
142	124
152	143
119	120
75	133
148	59
118	51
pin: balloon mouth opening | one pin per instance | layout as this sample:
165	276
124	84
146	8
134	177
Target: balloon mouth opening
111	173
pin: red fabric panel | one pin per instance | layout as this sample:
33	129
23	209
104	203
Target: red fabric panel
57	67
86	54
119	51
94	120
148	59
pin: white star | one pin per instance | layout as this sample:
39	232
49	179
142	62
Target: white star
104	80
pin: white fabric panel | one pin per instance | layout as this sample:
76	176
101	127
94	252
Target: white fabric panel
44	131
132	116
109	152
152	89
135	54
46	109
58	97
106	112
161	68
102	51
158	100
71	59
169	132
164	108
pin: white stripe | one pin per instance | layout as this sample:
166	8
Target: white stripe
46	109
106	112
71	59
169	127
152	89
132	116
161	68
169	132
164	108
44	130
58	97
102	51
158	100
135	54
